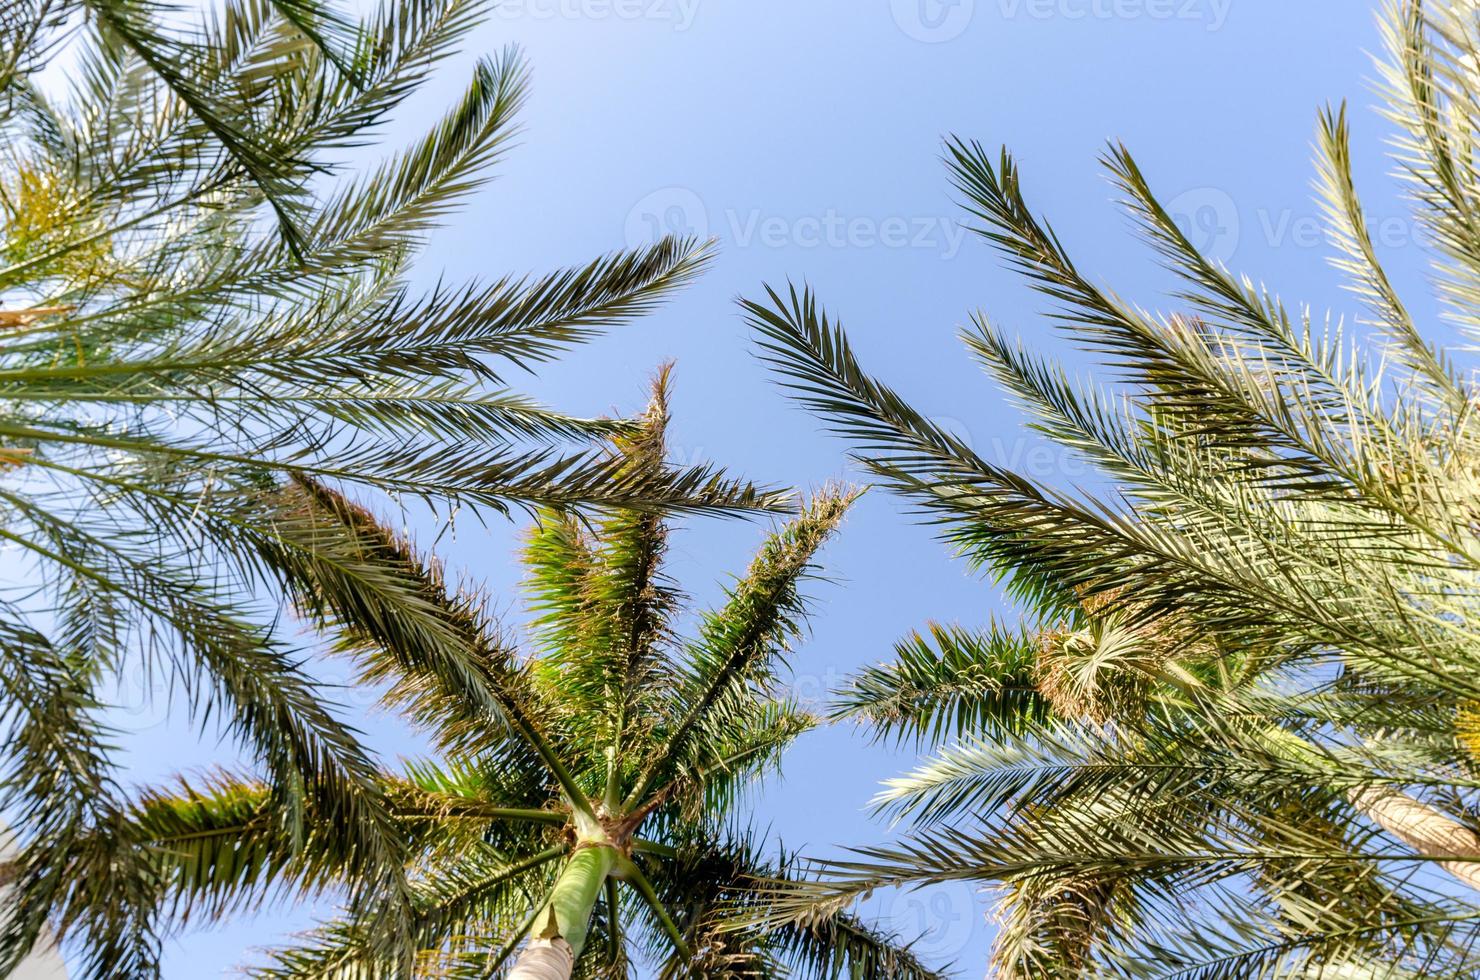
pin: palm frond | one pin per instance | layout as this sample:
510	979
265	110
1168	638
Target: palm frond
742	644
713	881
947	684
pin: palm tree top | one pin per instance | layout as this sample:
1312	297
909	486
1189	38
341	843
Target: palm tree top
588	786
1231	738
624	713
203	293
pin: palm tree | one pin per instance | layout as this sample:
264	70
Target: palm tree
199	300
586	804
1236	736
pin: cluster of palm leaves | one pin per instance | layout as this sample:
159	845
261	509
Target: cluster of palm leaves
1236	735
204	293
585	794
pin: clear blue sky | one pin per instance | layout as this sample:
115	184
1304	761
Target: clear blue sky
806	136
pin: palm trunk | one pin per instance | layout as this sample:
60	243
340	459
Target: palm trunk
1425	829
557	938
545	959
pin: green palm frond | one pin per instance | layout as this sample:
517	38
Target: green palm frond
742	644
605	603
713	883
61	780
447	665
947	684
1429	92
390	607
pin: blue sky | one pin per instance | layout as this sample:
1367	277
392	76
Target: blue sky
806	137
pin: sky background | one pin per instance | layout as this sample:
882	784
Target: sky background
805	135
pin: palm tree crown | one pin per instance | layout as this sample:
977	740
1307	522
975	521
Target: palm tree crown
587	799
199	299
1236	736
